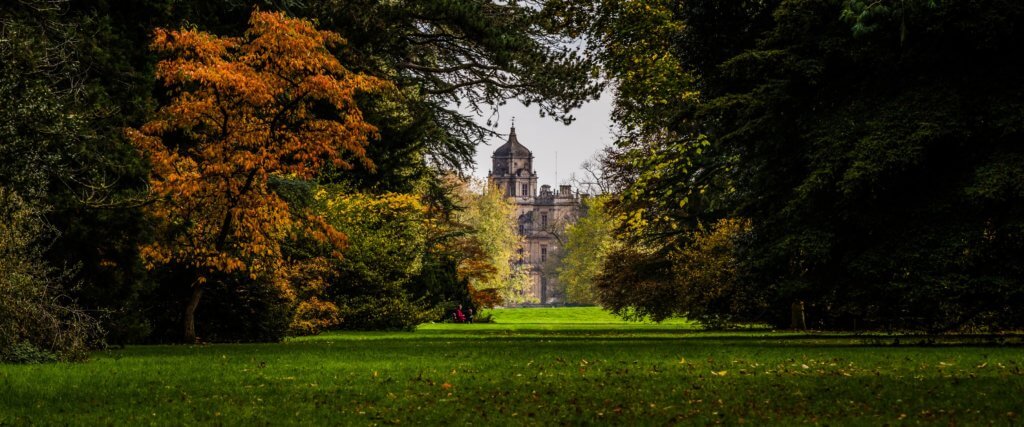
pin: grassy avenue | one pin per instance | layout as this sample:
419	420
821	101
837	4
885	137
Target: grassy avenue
533	366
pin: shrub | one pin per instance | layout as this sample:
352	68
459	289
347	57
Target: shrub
700	281
314	315
707	273
38	321
24	352
394	312
635	283
387	241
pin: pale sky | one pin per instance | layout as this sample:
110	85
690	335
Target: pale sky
575	143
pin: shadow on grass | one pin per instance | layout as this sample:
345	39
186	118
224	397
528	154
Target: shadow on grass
738	334
745	338
432	341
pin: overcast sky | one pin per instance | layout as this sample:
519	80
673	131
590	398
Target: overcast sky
575	143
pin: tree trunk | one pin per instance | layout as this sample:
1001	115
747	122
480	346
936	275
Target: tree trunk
222	239
797	319
190	313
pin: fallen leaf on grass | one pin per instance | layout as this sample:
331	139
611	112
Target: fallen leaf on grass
719	373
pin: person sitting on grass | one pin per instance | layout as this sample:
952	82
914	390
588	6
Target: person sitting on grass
469	315
459	317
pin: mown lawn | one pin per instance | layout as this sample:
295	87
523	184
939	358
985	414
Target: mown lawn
572	315
535	366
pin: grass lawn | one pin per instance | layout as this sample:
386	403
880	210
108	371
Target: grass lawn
571	315
534	366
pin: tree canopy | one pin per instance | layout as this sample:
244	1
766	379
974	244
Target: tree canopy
273	102
870	144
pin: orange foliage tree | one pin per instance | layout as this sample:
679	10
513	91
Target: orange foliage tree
242	109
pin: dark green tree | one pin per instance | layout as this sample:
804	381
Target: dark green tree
874	146
59	150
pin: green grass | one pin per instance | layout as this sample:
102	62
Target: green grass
589	316
536	366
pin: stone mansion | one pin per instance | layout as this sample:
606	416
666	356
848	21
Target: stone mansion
541	213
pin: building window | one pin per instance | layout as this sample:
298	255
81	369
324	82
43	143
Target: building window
526	190
543	253
512	190
544	220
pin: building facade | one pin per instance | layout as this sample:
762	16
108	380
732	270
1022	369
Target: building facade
541	215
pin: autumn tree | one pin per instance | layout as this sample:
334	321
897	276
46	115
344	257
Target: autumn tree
274	101
588	242
491	217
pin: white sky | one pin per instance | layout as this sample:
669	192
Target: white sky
575	143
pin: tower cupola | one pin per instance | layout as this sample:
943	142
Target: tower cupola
512	168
